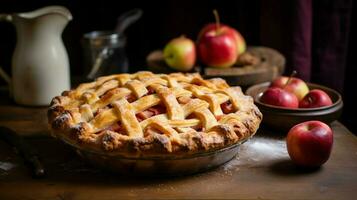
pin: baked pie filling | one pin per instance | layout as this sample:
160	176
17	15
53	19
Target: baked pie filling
153	114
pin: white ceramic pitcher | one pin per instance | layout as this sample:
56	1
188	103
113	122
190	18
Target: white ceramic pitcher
40	66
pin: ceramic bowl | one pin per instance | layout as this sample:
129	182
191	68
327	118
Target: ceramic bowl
283	119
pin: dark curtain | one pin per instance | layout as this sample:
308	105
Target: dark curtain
320	40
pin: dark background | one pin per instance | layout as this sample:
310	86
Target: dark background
261	22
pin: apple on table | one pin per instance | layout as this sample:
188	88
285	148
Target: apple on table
309	144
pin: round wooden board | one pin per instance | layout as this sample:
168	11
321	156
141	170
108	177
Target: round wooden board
270	64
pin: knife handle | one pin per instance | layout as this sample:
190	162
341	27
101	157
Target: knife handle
29	154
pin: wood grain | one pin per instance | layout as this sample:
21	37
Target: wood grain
27	121
270	65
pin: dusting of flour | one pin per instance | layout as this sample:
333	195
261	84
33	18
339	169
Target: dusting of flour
258	152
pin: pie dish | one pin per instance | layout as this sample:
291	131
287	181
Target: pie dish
144	114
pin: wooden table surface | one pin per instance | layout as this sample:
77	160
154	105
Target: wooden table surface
262	170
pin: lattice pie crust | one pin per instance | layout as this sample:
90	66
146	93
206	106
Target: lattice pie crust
153	114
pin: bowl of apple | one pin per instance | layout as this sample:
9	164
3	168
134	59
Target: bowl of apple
288	101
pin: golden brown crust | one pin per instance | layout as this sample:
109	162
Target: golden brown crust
102	116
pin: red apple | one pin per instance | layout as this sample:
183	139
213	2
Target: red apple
310	143
279	97
217	46
180	54
295	85
238	37
315	98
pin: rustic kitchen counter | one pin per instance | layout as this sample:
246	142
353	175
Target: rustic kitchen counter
262	170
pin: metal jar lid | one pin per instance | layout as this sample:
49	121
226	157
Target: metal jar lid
102	39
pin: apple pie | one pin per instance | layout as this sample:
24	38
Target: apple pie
146	114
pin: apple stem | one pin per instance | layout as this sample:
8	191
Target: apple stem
216	17
290	77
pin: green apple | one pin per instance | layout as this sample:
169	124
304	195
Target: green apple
180	54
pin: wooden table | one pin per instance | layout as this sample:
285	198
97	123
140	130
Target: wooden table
262	170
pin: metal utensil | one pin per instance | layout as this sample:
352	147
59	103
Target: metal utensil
28	153
104	51
128	18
